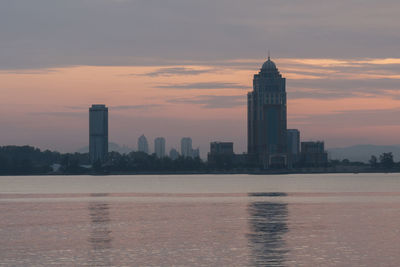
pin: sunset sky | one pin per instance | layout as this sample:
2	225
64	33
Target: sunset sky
178	68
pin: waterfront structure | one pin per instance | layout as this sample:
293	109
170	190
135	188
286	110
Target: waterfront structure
313	154
98	133
173	154
267	119
186	147
143	145
221	153
221	148
159	147
293	145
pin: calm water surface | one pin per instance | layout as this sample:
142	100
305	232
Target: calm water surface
200	220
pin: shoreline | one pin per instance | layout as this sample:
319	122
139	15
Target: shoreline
270	172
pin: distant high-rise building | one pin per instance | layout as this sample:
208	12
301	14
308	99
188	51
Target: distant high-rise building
293	145
173	154
186	147
196	153
313	154
159	147
98	133
143	145
266	109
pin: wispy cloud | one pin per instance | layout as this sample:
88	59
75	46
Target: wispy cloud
213	101
204	85
341	88
354	118
176	71
58	114
119	107
38	71
125	107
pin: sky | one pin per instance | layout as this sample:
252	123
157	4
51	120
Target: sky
177	68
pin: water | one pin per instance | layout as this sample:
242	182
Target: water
200	220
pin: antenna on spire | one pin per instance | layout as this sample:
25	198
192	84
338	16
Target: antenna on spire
269	55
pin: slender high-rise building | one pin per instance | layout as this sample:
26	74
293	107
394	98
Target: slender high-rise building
293	141
159	147
186	147
266	108
143	145
98	133
293	146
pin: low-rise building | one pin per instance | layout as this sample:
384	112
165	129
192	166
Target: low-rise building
221	155
313	154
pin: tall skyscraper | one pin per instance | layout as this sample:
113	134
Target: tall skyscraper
186	147
159	147
143	145
293	145
266	110
98	133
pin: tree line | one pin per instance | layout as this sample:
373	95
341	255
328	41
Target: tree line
24	160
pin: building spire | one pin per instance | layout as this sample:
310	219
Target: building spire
269	55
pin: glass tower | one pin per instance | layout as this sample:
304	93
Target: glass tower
98	133
267	123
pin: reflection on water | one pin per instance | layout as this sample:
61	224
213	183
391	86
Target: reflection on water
100	238
337	228
268	225
267	194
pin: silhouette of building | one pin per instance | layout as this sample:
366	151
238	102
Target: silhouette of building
159	147
143	145
313	154
98	133
221	154
186	147
266	108
221	148
293	145
196	153
173	154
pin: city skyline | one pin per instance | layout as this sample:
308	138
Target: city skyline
342	70
199	133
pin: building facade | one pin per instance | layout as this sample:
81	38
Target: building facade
186	147
143	145
293	146
159	147
267	119
313	154
98	133
221	154
221	148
